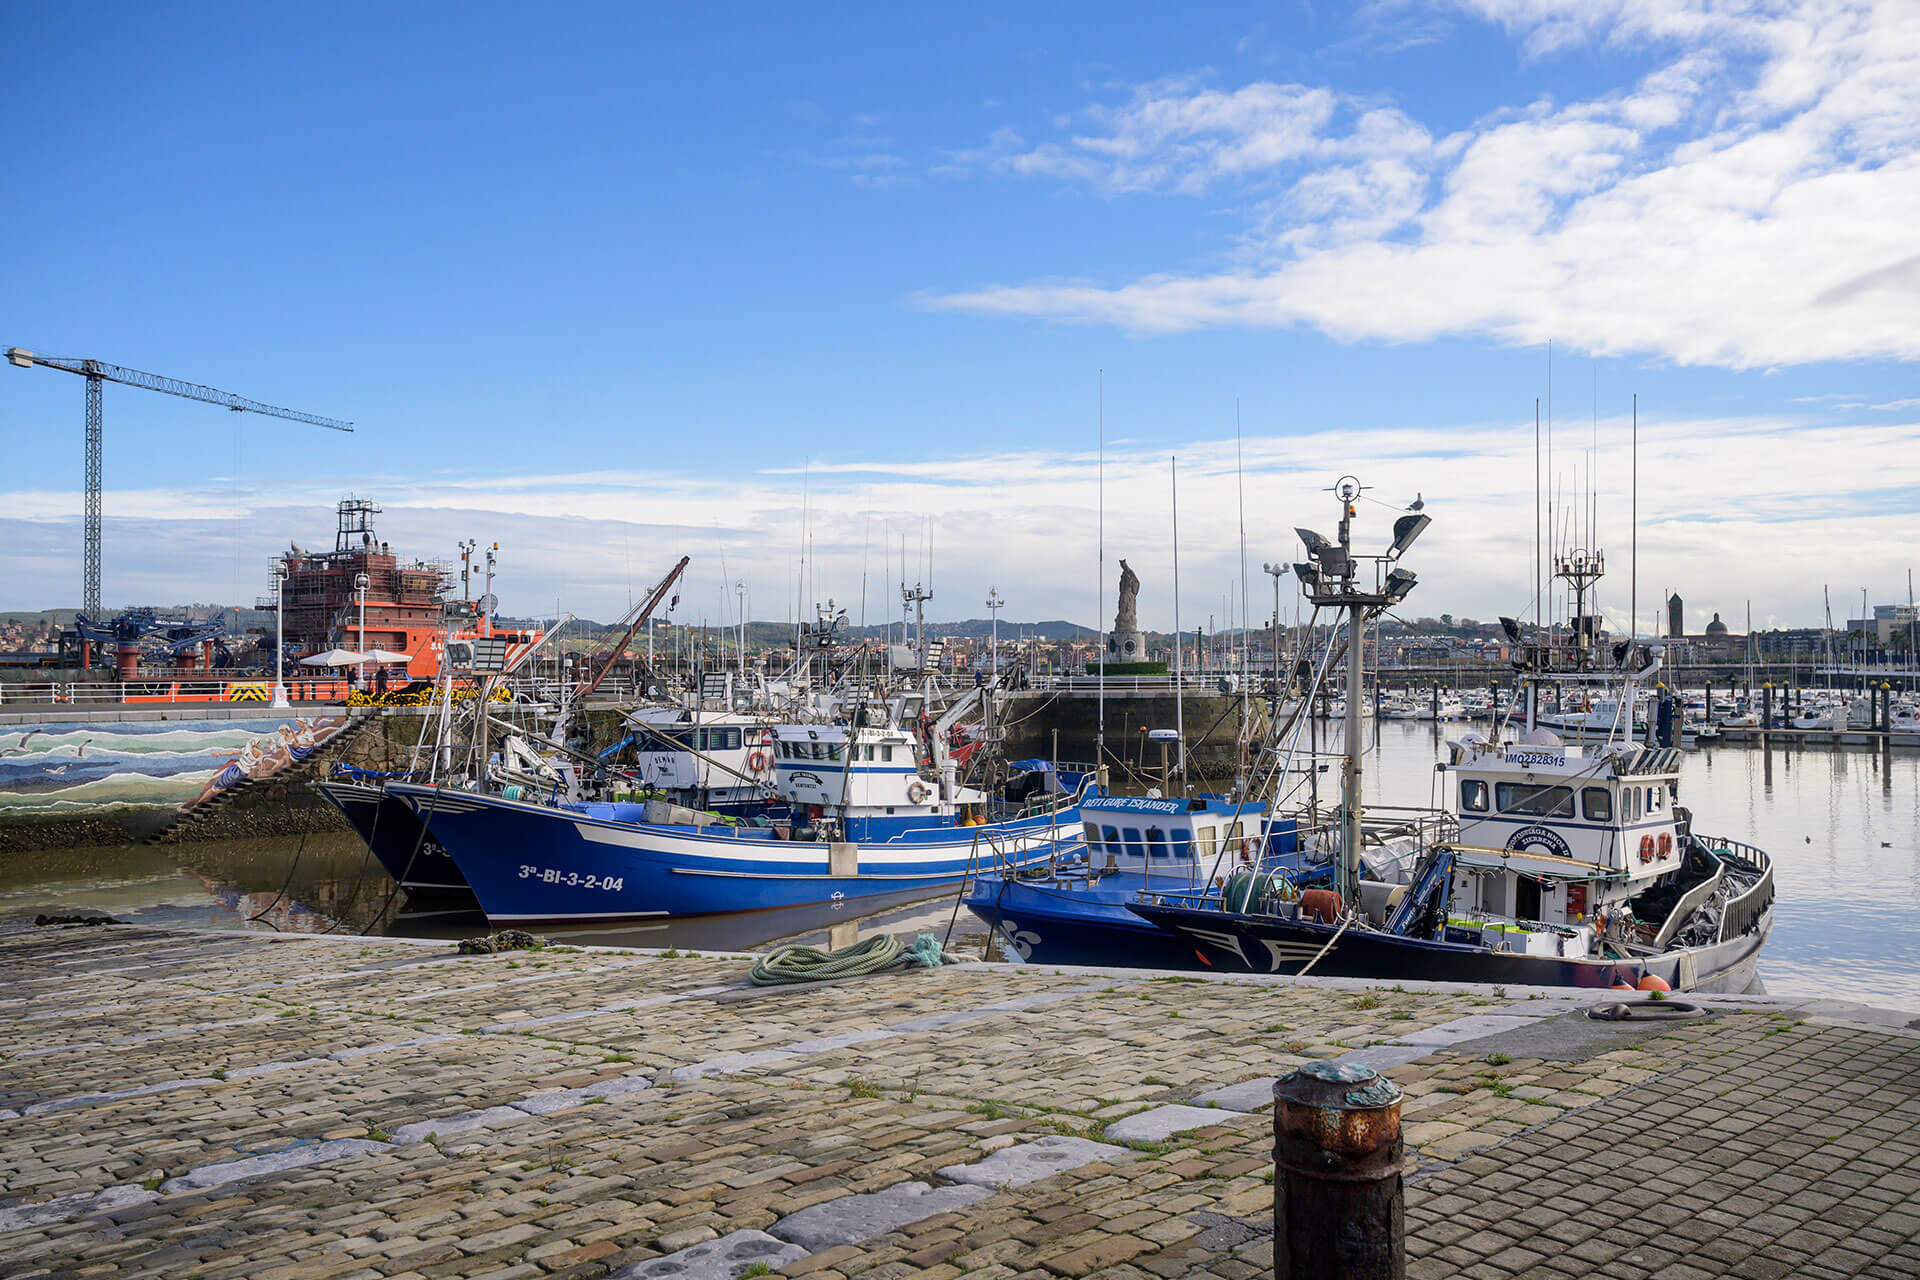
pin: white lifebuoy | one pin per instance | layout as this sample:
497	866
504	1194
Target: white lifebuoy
916	791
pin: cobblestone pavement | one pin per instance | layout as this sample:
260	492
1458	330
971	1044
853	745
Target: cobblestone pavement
296	1109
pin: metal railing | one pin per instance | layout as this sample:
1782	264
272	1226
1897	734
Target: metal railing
1744	911
164	692
1210	682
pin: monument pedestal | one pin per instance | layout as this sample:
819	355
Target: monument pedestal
1126	646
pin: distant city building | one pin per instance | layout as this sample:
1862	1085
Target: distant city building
1887	620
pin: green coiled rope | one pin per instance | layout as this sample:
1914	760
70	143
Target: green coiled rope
792	964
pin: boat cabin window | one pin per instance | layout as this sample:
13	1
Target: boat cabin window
1093	840
1112	839
886	751
1473	795
1597	804
1156	842
833	750
1183	844
1535	800
1204	833
1134	846
1526	898
1653	799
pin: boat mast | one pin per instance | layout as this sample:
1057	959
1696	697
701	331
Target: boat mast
1179	640
1246	638
1350	782
1331	580
1100	586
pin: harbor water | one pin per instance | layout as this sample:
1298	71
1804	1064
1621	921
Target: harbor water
1842	824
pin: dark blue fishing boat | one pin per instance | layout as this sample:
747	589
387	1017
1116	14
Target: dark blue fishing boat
1551	864
395	836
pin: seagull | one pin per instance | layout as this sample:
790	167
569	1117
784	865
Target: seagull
1418	502
20	748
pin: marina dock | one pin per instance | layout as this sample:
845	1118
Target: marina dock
303	1108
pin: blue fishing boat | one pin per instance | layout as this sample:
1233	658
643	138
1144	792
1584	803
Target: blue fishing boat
862	821
1076	910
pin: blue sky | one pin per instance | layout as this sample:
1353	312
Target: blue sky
604	283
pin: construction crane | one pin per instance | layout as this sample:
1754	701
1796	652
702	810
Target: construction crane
97	372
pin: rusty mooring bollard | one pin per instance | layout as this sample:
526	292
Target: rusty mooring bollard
1338	1205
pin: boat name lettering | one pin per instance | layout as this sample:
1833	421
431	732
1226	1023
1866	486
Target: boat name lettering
572	879
1137	804
1539	837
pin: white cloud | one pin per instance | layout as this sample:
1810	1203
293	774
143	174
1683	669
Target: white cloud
1730	510
1748	203
1175	135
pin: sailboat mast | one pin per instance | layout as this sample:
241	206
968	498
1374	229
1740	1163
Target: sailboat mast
1539	552
1100	588
1179	641
1246	694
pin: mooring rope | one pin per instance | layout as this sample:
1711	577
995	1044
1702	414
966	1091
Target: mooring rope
795	964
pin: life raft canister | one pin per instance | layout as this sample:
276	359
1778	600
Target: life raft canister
1322	904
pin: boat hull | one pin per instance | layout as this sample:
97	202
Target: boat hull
1047	924
531	864
1269	944
397	838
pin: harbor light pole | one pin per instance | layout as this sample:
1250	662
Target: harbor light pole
1276	572
279	632
360	584
994	603
740	591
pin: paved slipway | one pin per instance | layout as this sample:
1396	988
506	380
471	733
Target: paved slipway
214	1105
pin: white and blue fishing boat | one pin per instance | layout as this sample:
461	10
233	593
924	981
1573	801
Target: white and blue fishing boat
1075	910
866	817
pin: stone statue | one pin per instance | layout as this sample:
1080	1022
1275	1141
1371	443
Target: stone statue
1126	618
1124	642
